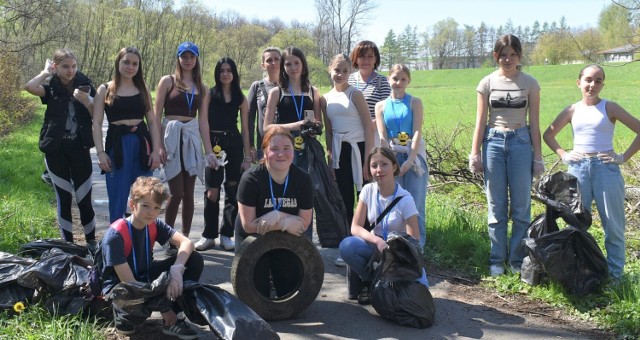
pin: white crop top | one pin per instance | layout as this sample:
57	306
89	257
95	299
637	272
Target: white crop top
592	129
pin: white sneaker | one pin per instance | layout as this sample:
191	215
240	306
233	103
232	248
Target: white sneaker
227	243
205	243
340	262
496	270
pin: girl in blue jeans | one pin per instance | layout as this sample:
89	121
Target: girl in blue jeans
399	123
593	159
508	129
356	250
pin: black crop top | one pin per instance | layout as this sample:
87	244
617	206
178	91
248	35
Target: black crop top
131	107
223	116
175	102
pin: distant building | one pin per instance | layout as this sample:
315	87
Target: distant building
620	54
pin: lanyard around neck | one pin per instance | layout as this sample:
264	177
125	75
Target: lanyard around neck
397	117
190	98
277	205
365	83
385	220
133	250
293	97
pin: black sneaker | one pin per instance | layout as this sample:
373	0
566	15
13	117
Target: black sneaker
180	330
364	298
125	328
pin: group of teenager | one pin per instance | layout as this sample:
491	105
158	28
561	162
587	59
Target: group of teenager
374	144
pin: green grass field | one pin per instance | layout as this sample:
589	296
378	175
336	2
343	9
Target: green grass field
449	96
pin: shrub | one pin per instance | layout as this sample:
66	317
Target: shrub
14	108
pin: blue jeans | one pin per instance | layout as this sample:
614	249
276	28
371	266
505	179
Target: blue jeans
356	253
417	187
603	183
119	181
508	160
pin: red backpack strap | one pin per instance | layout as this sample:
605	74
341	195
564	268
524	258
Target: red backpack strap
122	227
153	233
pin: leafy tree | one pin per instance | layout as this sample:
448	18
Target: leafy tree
390	51
614	24
443	42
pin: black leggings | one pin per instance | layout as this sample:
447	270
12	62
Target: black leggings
70	169
344	177
231	143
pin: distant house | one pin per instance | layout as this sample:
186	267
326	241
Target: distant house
620	54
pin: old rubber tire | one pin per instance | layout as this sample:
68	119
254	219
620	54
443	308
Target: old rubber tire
301	251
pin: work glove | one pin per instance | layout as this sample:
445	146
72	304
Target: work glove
571	157
611	157
269	222
293	224
538	168
475	164
175	281
48	66
397	148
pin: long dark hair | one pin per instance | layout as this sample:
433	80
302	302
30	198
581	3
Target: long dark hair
138	79
304	77
236	91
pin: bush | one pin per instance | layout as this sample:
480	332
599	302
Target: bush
14	108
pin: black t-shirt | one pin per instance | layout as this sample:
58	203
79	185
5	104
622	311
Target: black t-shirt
113	253
254	191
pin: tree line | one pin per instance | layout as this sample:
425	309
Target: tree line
97	29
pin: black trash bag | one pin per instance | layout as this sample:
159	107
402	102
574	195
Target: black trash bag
225	315
395	294
560	192
35	249
57	271
62	280
569	256
10	291
138	300
331	213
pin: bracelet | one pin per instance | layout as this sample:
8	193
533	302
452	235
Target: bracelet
248	159
100	152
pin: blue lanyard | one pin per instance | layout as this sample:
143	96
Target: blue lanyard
365	84
133	251
190	100
397	118
385	220
274	201
293	97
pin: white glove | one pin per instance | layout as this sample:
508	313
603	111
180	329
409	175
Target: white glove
212	160
269	222
293	224
175	281
475	164
417	168
611	157
48	66
571	157
221	160
538	168
397	148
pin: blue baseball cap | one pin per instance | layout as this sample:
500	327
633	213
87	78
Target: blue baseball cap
188	46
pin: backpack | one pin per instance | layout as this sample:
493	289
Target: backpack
121	226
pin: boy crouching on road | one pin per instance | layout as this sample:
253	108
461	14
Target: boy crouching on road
127	252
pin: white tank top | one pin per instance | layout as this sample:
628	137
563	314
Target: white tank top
592	129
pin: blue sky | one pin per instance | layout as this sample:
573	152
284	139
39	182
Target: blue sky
397	14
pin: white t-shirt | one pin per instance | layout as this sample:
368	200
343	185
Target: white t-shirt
395	219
